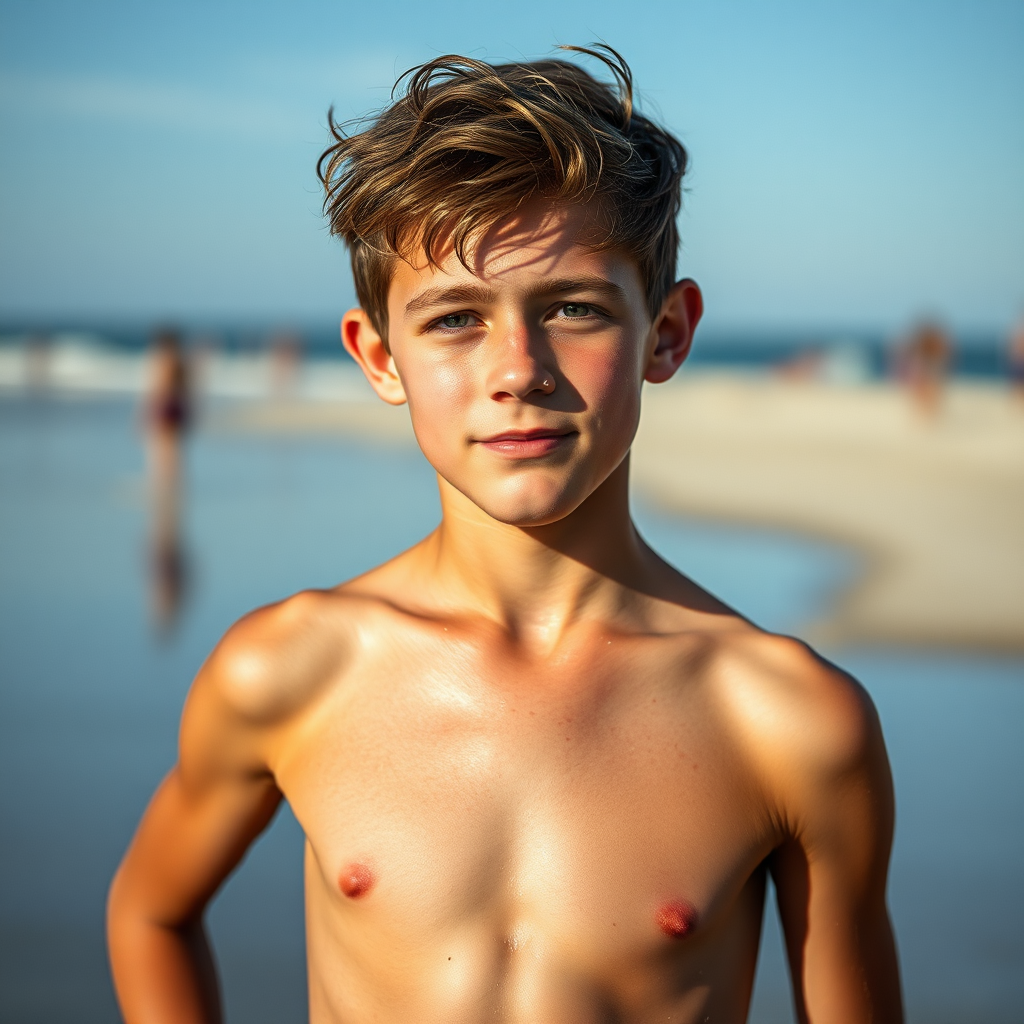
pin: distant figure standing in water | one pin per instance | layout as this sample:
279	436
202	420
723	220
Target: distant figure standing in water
924	364
285	363
1015	359
167	416
38	359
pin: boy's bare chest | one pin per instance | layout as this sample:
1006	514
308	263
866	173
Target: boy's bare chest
586	798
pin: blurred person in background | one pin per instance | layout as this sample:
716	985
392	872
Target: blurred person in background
922	365
1015	359
38	359
167	416
805	365
285	363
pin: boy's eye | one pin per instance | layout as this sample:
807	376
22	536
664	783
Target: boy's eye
574	310
454	321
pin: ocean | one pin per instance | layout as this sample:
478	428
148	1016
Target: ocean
862	354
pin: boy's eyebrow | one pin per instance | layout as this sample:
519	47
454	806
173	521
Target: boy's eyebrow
579	284
442	296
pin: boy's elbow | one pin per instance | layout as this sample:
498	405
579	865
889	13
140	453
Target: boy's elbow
125	925
134	899
126	911
119	899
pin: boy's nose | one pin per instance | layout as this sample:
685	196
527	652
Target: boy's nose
519	371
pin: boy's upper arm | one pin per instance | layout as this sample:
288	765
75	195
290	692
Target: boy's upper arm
221	794
825	764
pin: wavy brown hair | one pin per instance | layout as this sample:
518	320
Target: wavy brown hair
468	143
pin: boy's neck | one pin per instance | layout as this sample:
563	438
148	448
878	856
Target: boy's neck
535	582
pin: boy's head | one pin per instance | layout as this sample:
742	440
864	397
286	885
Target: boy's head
469	144
513	239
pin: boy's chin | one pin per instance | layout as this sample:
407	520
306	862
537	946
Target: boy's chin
526	507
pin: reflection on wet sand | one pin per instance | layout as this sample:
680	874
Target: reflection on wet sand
167	416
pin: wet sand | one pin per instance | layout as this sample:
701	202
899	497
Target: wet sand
935	507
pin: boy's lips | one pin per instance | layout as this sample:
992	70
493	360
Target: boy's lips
526	444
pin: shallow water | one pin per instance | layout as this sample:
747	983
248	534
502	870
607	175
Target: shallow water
89	700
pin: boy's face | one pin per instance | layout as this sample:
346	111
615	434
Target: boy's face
523	374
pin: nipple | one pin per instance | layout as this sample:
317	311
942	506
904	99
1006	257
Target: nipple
355	881
676	918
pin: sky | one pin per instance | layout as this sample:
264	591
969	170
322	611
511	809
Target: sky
855	165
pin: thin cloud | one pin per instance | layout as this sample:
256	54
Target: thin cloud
340	74
147	103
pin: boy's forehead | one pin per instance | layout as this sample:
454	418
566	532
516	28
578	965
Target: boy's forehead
540	242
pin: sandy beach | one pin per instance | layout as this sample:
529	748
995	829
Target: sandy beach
934	507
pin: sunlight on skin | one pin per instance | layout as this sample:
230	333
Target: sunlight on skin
523	374
527	754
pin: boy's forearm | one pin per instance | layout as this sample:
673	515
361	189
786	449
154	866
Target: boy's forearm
189	840
162	974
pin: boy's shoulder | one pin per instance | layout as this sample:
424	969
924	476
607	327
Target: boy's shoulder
807	726
778	695
279	658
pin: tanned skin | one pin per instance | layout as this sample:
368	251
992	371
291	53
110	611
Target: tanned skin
543	776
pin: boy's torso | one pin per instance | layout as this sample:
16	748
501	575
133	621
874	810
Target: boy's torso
579	837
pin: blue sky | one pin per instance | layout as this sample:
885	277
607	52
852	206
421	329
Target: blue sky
855	165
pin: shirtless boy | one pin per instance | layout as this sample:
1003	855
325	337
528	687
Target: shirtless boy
543	776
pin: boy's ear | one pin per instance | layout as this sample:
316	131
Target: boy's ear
366	347
673	330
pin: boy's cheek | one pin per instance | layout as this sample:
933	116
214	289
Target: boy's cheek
438	408
437	425
608	385
610	381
